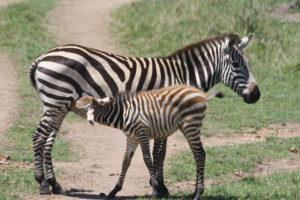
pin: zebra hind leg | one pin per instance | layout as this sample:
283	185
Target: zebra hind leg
130	149
193	138
39	140
159	153
43	139
144	141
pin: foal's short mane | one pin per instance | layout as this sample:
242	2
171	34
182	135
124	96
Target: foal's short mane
202	42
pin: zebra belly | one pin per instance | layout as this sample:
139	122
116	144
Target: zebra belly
162	130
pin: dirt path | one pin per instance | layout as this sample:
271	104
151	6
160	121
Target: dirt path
8	89
84	22
284	11
6	2
101	148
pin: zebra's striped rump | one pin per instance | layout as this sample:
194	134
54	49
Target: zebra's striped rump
149	115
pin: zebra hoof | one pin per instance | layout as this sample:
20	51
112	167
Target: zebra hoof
111	196
113	193
160	194
197	196
44	188
57	189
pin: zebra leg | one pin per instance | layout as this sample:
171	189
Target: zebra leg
43	139
148	161
49	172
159	153
130	149
193	138
39	140
57	117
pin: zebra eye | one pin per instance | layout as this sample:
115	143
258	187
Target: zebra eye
235	64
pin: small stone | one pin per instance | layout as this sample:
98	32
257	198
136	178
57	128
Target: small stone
4	158
239	173
283	124
294	150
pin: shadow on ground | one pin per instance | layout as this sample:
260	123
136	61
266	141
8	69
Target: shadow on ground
81	194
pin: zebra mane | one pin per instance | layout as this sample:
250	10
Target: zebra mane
203	42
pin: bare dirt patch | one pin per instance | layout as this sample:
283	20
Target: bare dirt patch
8	89
8	96
6	165
6	2
85	23
283	11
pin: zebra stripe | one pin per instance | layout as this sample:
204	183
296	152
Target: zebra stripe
153	114
66	73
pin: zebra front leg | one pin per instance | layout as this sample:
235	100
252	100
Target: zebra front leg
159	153
148	161
130	149
195	144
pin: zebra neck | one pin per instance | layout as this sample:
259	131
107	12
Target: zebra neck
110	115
201	64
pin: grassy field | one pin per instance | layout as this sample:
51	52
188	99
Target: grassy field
157	28
226	160
24	36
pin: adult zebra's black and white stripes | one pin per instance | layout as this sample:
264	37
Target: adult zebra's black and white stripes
66	73
152	114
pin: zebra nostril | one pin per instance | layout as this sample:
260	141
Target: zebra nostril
253	96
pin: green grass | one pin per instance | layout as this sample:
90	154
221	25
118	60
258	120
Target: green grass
16	182
157	28
229	159
24	36
283	186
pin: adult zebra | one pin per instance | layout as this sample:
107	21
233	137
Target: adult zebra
66	73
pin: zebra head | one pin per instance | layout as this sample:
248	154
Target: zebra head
235	72
90	106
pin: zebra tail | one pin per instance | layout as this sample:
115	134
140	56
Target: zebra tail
215	93
31	71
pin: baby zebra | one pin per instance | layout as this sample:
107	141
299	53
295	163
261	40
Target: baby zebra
152	114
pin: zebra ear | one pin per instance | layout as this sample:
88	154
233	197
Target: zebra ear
105	101
233	40
245	41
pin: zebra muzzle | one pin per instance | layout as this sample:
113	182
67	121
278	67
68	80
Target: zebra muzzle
253	96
